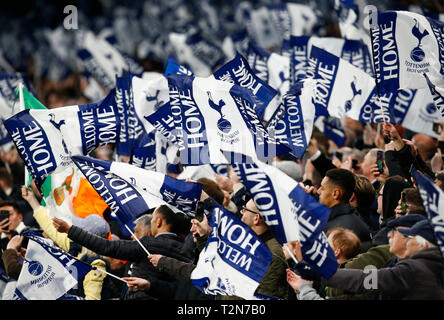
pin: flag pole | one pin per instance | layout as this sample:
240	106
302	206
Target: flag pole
110	274
132	233
290	253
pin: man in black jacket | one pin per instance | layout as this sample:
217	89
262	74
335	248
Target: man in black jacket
335	192
162	241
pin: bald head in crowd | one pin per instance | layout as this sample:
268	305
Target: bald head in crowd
425	144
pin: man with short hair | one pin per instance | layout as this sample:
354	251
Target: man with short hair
335	192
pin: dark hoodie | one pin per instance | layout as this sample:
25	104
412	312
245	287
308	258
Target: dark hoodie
390	197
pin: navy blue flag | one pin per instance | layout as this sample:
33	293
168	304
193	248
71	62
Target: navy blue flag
174	67
332	128
237	71
131	129
433	200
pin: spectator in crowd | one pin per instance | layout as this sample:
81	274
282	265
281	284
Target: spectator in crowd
162	241
410	202
335	193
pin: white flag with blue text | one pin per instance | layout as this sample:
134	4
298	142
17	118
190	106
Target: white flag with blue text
292	123
46	138
210	115
48	272
179	194
406	46
234	260
290	213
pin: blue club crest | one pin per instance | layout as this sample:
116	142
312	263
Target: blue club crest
35	268
223	124
417	54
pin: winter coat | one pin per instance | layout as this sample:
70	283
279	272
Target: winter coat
166	244
418	277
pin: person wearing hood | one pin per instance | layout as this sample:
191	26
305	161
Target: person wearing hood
388	197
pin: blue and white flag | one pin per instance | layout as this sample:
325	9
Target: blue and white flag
332	128
150	93
234	260
100	58
433	200
262	29
131	129
236	42
350	22
210	115
343	90
415	109
292	123
353	51
438	99
145	155
237	71
48	272
201	55
126	200
273	69
290	213
407	45
174	67
181	195
46	138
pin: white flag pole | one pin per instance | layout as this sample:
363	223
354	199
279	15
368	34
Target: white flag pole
137	240
290	253
110	274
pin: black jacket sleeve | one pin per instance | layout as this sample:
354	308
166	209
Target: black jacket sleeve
322	164
119	249
163	290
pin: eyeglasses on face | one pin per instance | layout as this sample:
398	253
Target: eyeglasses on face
245	208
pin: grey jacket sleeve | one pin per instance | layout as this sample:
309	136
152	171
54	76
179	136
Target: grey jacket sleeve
307	292
389	281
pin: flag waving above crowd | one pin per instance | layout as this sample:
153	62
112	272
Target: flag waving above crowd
265	150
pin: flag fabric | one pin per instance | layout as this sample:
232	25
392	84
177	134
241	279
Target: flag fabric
210	115
343	90
407	45
237	71
438	99
290	213
144	155
416	110
199	54
131	128
332	128
433	200
174	67
292	123
46	138
9	102
236	42
68	193
125	200
150	93
353	51
102	60
48	272
180	195
234	260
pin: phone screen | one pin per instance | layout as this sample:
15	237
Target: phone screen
380	161
403	203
